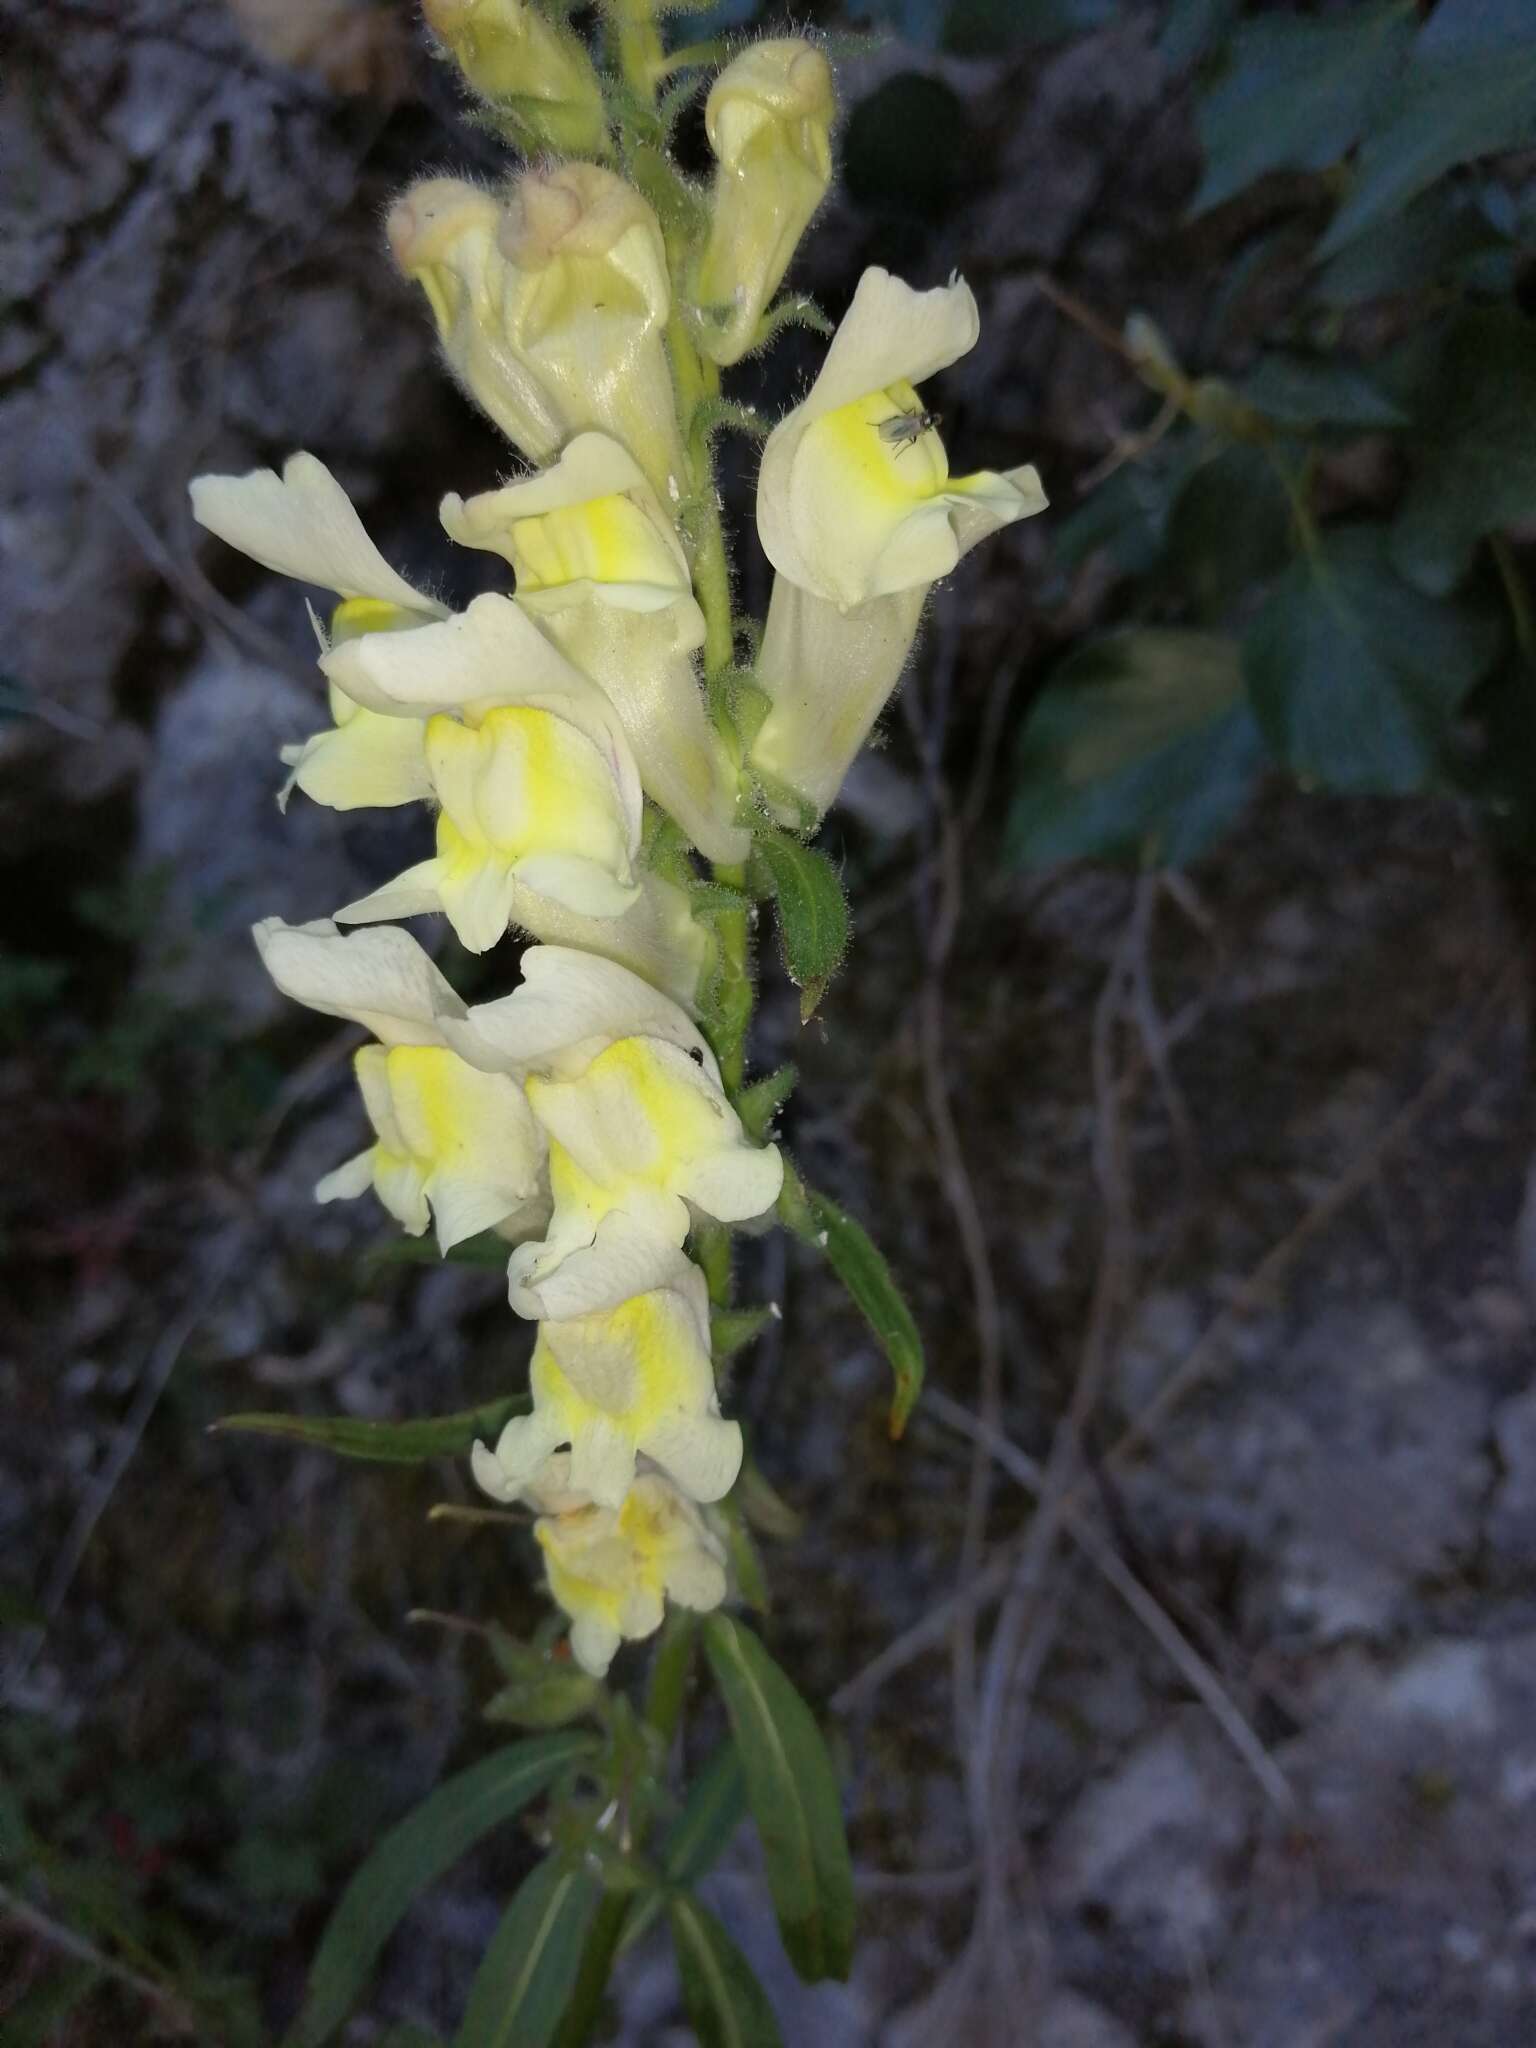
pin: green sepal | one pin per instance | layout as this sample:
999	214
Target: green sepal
794	310
542	1690
758	1105
733	1329
813	913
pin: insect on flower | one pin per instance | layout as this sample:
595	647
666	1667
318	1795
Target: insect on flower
906	429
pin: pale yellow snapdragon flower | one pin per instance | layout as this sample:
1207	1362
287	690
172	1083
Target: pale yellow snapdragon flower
302	524
641	1135
454	1145
635	1380
599	565
537	786
769	120
552	307
613	1570
859	516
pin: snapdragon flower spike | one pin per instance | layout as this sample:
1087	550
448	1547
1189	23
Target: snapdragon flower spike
538	787
640	1132
613	1570
636	1379
599	565
769	120
859	516
302	524
454	1145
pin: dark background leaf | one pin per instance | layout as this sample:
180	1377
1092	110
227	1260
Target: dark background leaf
1468	91
1475	452
1140	747
1355	676
1297	93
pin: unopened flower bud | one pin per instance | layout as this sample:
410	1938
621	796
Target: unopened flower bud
585	307
769	119
442	233
530	70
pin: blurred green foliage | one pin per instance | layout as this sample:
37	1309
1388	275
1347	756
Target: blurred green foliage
1314	554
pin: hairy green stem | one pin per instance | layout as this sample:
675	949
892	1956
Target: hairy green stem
736	993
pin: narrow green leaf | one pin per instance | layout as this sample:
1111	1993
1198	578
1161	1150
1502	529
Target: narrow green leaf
382	1443
793	1793
529	1971
1297	93
813	914
415	1852
817	1220
733	1329
1355	676
726	2004
1140	747
715	1808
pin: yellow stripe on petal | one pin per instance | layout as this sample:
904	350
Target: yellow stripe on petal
525	782
606	540
366	759
355	616
524	793
870	466
610	1570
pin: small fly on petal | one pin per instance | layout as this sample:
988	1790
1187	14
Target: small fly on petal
906	429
